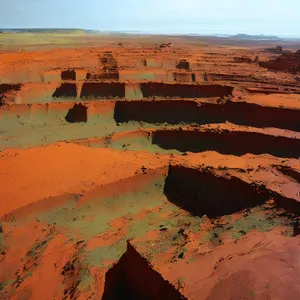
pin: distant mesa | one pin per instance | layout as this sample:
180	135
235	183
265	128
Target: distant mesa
277	49
243	36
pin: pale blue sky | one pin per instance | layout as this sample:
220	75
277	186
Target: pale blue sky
281	17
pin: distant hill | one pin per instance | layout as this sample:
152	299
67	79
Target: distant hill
243	36
41	30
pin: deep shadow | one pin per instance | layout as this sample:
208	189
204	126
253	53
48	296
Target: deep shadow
68	90
227	142
204	193
68	75
158	89
183	64
4	88
103	90
133	278
193	77
77	114
105	75
175	112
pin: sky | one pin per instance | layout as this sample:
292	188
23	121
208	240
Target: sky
276	17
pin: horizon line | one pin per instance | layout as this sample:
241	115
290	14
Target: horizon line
155	31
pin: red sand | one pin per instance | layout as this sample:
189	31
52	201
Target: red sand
30	175
247	269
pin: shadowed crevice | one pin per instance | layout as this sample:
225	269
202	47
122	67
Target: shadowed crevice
204	193
134	278
68	75
77	114
67	90
4	87
227	142
183	64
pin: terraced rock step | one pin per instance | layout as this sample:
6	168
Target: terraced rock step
172	248
222	138
205	192
148	167
156	89
91	89
226	142
176	112
118	203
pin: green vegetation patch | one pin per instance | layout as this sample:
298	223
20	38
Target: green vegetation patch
255	219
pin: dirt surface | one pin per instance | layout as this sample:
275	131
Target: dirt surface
148	167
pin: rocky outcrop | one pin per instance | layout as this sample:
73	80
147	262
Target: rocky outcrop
289	62
277	49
